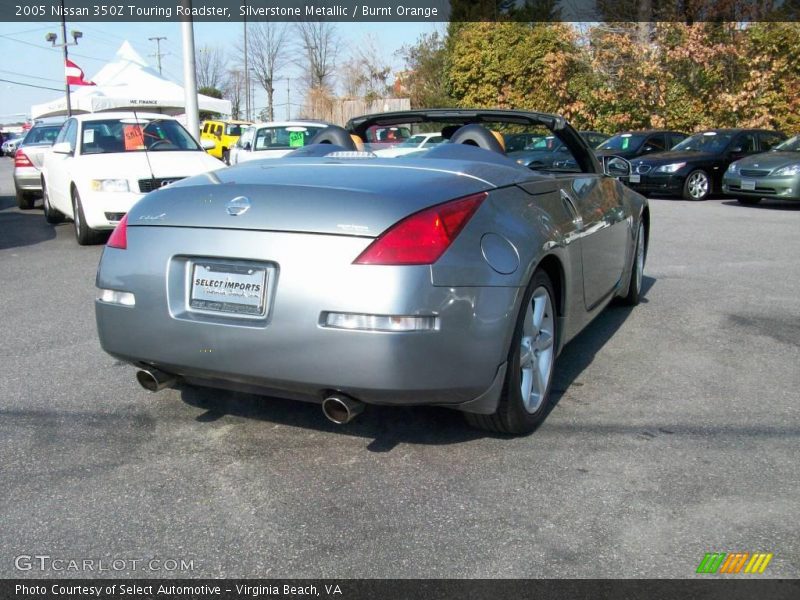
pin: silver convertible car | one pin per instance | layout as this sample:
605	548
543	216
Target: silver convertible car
452	277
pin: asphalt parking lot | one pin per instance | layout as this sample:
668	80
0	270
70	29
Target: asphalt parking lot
675	434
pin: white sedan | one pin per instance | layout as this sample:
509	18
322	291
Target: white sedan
273	139
101	164
420	141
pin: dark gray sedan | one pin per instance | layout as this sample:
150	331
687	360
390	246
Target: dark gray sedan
451	278
773	174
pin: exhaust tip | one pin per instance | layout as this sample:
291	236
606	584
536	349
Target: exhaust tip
153	380
340	409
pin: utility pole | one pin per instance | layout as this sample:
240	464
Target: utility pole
246	74
288	102
158	53
189	74
53	38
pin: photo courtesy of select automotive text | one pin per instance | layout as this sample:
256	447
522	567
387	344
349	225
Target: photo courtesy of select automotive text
400	299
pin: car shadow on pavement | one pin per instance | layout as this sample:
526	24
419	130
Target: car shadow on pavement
22	228
766	204
581	350
390	426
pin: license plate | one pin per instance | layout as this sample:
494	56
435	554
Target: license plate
232	289
635	178
749	184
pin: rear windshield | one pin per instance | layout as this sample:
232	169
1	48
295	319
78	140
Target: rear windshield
42	135
129	135
387	135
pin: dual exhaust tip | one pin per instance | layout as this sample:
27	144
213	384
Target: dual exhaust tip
338	408
341	409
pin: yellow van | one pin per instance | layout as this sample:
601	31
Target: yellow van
224	135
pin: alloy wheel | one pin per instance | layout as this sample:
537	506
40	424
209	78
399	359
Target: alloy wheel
537	350
698	185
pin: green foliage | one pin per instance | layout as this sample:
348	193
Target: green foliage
423	80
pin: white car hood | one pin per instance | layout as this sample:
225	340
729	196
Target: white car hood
134	165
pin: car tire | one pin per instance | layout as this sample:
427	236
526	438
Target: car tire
697	185
747	201
83	233
637	268
51	215
226	156
525	401
24	200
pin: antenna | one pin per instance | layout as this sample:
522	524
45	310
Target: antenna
146	154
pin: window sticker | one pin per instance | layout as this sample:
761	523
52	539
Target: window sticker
134	137
88	136
297	139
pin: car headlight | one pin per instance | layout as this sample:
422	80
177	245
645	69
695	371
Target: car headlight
110	185
788	170
669	168
733	168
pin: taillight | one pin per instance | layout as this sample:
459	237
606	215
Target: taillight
119	237
421	238
21	159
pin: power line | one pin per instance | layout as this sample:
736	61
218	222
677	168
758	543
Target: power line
41	87
50	49
30	76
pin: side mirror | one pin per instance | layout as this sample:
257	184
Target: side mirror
207	144
62	148
247	146
616	166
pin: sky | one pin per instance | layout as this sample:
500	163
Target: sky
27	58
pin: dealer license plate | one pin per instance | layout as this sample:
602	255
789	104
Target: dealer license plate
749	184
229	289
635	178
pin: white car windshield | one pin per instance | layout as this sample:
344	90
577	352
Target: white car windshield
132	135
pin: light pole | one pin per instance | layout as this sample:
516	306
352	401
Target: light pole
53	38
189	73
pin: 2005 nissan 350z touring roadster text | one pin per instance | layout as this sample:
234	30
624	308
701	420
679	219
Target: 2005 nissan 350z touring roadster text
452	276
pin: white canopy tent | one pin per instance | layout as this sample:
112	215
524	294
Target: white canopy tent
128	82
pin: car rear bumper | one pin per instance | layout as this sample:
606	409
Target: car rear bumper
786	188
290	352
27	179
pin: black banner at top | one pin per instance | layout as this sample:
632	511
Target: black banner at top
366	11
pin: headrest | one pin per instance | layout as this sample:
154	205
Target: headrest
333	134
475	135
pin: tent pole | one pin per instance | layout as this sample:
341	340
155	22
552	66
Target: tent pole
189	74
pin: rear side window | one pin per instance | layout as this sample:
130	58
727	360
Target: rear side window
747	142
655	143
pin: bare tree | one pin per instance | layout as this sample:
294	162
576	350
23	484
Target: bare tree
319	46
366	73
268	57
210	66
234	91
